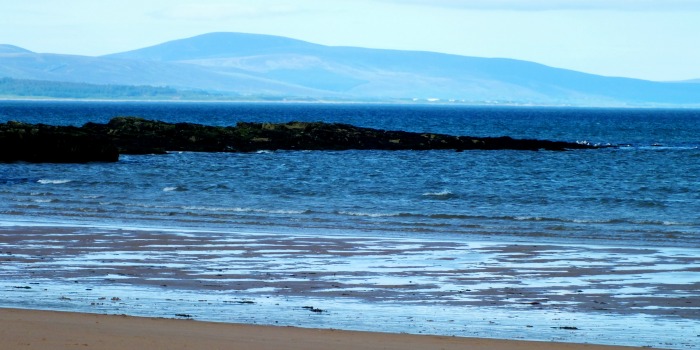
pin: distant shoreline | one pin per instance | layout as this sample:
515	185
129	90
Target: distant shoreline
351	102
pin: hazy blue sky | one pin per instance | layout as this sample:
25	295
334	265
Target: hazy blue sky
649	39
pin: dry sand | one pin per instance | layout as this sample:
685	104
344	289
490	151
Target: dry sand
31	329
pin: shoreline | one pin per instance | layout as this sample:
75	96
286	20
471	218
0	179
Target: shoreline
37	329
405	102
446	287
7	223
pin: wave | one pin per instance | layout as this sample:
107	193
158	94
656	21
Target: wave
452	216
613	221
246	210
532	218
53	200
372	215
402	218
444	194
535	219
659	147
174	189
93	196
596	144
53	182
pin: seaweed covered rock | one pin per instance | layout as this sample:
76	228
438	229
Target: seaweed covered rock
53	144
325	136
133	135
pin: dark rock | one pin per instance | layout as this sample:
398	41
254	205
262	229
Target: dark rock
136	136
55	144
132	135
313	309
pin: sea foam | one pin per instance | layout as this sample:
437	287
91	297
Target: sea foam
53	182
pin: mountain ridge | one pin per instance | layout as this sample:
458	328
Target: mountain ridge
209	45
5	49
266	65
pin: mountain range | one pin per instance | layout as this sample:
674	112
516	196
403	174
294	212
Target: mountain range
253	66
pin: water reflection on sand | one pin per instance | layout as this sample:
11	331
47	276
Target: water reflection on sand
576	293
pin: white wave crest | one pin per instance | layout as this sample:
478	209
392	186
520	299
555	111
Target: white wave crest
531	218
442	194
53	182
44	200
246	210
371	215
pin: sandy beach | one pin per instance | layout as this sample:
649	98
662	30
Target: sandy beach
31	329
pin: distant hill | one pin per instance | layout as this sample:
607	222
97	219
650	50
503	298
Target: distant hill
100	70
19	88
10	49
252	65
219	45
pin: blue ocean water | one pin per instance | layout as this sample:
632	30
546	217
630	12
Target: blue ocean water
645	192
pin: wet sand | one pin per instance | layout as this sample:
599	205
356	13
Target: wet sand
637	296
29	329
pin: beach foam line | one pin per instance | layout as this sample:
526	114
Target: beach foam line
34	329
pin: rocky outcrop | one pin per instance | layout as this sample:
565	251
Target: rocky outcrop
131	135
135	135
55	144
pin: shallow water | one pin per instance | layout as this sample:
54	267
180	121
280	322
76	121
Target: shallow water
572	293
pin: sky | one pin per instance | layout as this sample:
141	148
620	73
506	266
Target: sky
646	39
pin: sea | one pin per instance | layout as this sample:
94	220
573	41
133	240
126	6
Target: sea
634	202
643	191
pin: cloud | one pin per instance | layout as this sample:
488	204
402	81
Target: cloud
222	11
559	5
